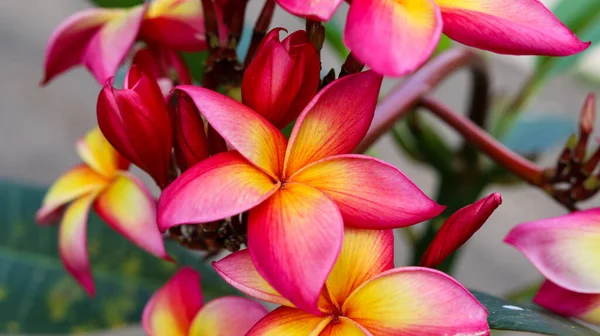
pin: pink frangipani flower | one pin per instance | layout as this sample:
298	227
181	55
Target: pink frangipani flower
100	38
118	197
365	295
566	250
177	309
396	37
298	194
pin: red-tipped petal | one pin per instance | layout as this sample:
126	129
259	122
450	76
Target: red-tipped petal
247	131
69	40
334	122
239	271
171	310
393	37
129	208
518	27
289	322
294	238
458	228
221	186
370	193
568	303
321	10
95	150
108	48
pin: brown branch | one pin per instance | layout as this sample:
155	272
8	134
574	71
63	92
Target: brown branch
260	30
480	139
406	95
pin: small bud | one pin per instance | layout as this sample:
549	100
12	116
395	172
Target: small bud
190	142
458	228
163	64
588	115
282	78
135	121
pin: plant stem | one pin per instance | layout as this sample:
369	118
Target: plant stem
260	30
480	139
407	95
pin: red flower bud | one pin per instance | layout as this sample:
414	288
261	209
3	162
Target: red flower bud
458	228
136	122
163	64
282	78
191	144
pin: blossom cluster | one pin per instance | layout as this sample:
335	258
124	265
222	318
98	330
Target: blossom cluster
315	217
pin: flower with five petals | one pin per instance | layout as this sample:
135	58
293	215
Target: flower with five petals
118	197
365	295
298	194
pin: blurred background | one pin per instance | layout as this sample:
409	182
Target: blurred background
38	128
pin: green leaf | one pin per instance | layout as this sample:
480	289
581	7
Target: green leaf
38	296
504	315
116	3
583	18
195	62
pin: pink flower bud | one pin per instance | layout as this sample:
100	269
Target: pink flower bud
135	120
191	144
458	228
282	78
163	64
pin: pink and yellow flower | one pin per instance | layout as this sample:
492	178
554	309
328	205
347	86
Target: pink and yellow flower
118	197
396	37
365	295
100	38
298	194
177	309
566	250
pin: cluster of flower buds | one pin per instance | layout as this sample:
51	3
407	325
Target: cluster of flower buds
575	177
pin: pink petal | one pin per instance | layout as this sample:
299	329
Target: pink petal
364	255
518	27
221	186
289	322
227	316
571	304
239	271
247	131
171	310
72	242
370	193
319	10
294	238
565	249
99	155
129	208
177	24
78	181
109	46
393	37
416	301
69	40
458	228
334	122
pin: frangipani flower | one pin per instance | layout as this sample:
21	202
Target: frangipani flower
100	38
396	37
566	250
298	194
365	295
118	197
458	228
177	309
282	77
